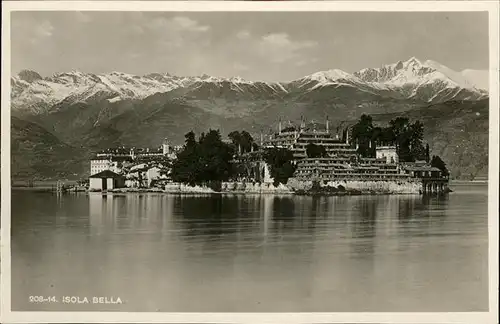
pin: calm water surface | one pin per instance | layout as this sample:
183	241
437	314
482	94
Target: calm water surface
252	253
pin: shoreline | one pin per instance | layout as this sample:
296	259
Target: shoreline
347	193
253	189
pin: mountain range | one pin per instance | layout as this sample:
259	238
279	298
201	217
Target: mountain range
428	82
86	111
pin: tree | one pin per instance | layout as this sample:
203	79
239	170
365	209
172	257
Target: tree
437	162
399	125
242	141
387	136
185	168
362	133
427	153
314	151
280	164
418	152
207	160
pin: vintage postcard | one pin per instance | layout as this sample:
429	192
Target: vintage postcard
287	162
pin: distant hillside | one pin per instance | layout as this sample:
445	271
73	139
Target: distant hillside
38	154
456	131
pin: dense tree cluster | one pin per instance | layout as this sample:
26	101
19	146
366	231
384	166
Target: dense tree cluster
407	136
243	142
314	151
211	160
438	163
203	161
280	164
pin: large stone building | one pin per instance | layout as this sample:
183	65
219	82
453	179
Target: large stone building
296	139
342	162
113	159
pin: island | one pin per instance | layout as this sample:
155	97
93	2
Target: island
303	158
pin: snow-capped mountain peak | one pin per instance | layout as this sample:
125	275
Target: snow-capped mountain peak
29	76
330	75
413	61
238	79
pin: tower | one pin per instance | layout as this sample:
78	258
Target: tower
279	126
302	122
327	125
165	146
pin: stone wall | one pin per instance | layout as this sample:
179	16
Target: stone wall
397	187
249	187
184	188
229	187
294	185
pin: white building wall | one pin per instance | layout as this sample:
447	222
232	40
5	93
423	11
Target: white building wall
267	174
152	174
97	166
95	184
388	153
110	184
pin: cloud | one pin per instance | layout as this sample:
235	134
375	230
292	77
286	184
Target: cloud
240	67
283	40
34	33
190	24
45	29
174	34
82	17
136	29
279	47
178	24
243	34
306	61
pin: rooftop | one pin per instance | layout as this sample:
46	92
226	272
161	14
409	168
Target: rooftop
106	174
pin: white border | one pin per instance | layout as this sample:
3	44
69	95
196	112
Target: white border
103	317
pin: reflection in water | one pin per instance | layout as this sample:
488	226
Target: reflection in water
252	252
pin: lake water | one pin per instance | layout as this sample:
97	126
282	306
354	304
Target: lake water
252	253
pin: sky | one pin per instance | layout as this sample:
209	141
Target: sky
267	46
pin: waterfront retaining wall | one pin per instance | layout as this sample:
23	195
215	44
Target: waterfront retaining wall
229	187
296	185
398	187
184	188
250	187
386	187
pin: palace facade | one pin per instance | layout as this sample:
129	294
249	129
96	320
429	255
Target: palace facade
342	162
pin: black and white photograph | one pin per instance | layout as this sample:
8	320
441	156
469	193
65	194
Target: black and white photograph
249	161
